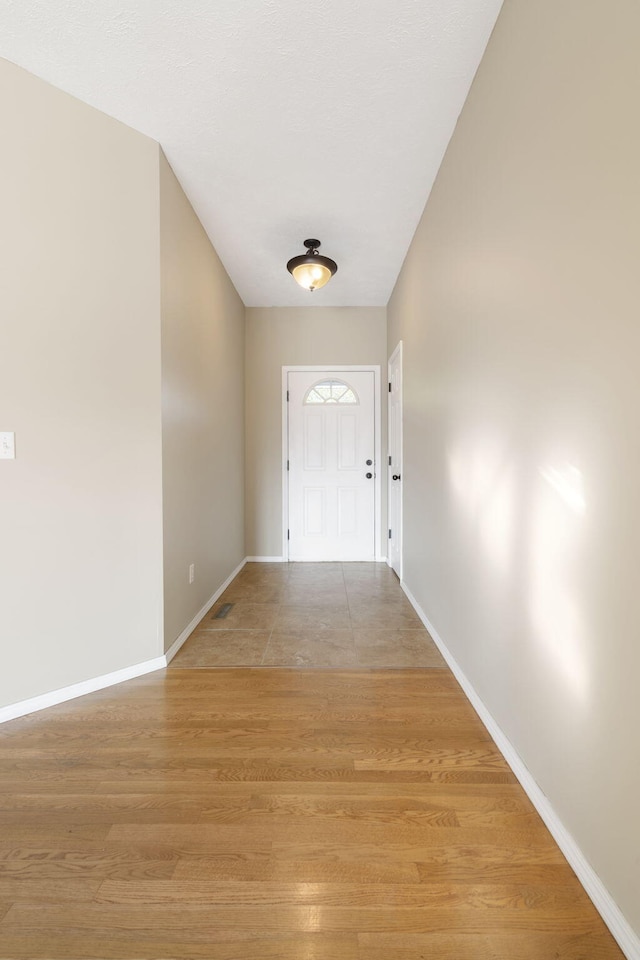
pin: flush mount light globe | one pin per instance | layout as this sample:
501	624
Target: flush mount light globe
311	270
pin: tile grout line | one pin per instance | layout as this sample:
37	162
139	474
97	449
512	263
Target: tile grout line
275	620
273	626
353	639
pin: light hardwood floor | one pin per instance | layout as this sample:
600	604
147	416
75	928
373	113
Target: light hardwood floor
280	814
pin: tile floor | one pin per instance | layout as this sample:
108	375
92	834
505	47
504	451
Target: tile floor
312	615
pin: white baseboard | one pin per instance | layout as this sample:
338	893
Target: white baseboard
266	560
21	709
285	560
188	630
24	707
626	937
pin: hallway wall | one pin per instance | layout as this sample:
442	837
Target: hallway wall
202	412
80	531
282	336
518	308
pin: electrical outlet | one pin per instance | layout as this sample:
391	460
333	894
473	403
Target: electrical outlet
192	572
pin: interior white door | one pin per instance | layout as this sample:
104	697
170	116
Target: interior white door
331	454
394	485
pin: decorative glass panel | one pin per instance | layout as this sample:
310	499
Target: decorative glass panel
331	391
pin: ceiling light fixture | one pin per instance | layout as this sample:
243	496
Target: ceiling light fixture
311	270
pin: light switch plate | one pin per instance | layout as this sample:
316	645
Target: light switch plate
7	446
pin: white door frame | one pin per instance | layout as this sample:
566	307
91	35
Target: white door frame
399	468
379	458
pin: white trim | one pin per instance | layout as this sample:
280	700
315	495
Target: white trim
377	416
266	560
45	700
382	560
23	707
175	646
398	352
626	937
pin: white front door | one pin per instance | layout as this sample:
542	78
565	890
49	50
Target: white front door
395	461
331	454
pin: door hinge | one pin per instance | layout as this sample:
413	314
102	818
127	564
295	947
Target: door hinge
288	536
389	459
287	464
389	533
287	396
389	386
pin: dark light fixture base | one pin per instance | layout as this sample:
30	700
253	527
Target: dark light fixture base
311	270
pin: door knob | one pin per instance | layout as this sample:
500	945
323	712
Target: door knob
396	476
368	476
369	463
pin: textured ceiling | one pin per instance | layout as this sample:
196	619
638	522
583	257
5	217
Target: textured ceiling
282	119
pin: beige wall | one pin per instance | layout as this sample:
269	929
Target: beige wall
518	307
202	412
282	336
80	507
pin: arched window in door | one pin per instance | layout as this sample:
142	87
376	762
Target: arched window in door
331	391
